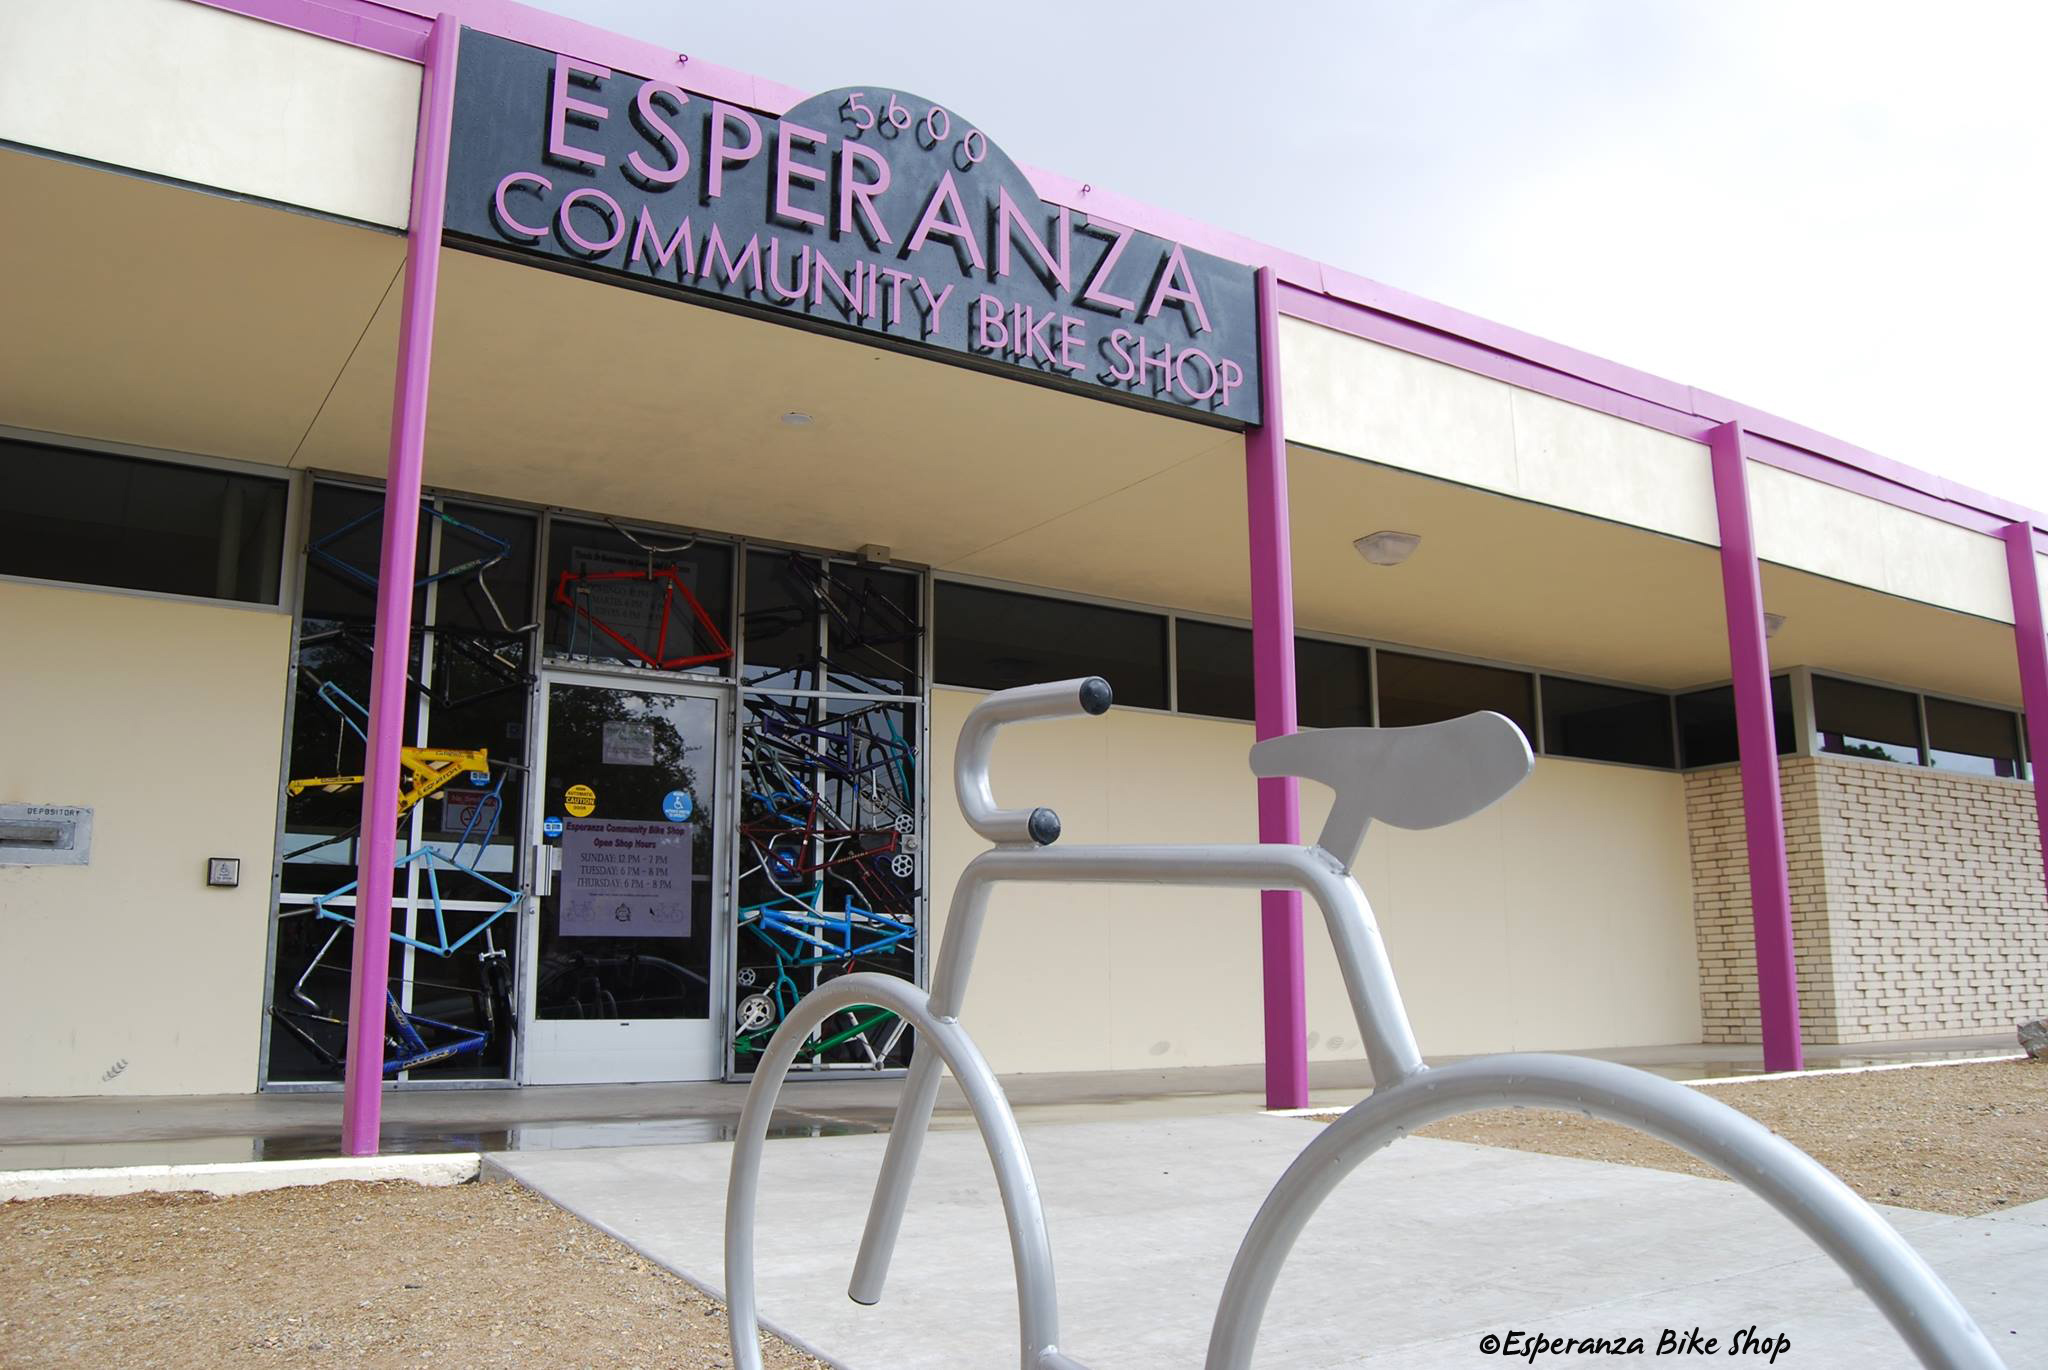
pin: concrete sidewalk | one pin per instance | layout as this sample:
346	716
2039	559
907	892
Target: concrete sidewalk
1429	1247
288	1125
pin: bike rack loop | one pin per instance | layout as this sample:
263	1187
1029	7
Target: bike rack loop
1421	793
1030	1249
1911	1296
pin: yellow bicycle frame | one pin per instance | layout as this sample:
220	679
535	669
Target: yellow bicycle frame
431	769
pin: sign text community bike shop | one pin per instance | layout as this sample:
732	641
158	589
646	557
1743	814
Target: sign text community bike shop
869	210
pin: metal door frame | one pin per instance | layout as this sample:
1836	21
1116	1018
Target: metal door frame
725	817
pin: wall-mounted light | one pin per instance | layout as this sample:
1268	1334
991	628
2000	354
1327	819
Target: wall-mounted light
797	418
1387	547
1773	622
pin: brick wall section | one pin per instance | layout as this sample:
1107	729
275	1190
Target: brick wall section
1917	902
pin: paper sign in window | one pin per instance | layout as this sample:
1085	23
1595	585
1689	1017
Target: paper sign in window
628	744
626	879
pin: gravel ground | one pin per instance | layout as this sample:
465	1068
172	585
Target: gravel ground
1966	1140
471	1275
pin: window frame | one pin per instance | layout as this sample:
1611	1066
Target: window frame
546	516
1798	679
1670	720
1169	659
1809	735
296	486
2016	717
1372	647
1798	722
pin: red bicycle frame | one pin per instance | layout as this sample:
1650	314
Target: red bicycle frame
659	659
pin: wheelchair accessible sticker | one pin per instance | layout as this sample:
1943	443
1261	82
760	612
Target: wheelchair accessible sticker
580	801
676	805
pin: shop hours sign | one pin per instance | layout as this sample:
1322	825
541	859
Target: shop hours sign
865	210
625	879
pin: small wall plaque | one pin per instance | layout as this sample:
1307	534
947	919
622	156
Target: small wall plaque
225	871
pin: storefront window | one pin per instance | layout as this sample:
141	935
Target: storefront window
993	639
830	844
1213	666
633	597
1971	738
830	837
458	878
96	519
783	632
1420	689
1332	684
874	638
1706	724
1866	721
1606	723
1332	680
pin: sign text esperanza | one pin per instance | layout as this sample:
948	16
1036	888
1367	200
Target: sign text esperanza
865	209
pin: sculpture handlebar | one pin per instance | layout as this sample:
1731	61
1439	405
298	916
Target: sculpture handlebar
1055	699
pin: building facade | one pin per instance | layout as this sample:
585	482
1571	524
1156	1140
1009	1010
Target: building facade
756	435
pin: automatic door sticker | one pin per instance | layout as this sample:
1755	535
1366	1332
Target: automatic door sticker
580	801
676	805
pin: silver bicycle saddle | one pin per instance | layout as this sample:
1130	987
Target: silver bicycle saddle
1421	777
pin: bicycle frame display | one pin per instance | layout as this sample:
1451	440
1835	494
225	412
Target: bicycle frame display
828	870
457	879
1422	777
822	658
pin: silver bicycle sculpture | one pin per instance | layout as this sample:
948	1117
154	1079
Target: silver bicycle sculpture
1422	777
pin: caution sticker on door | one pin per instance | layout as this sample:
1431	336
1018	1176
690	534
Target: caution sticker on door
579	800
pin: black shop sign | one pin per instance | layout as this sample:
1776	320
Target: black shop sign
865	210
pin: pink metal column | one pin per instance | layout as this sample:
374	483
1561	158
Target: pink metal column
2028	638
1763	818
1265	476
362	1088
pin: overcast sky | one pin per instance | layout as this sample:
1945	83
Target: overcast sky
1828	209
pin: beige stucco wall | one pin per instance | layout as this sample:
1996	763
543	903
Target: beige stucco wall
1562	918
197	94
130	975
1836	533
1364	399
1917	903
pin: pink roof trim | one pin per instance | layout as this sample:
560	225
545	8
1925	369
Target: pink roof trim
1308	289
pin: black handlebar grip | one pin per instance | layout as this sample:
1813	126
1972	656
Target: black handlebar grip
1096	697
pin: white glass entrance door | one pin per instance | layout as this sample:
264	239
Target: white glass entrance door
629	884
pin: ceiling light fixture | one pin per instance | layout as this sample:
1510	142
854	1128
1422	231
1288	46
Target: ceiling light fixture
1387	547
1773	622
797	418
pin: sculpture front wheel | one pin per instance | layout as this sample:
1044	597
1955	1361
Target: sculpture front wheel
1919	1306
